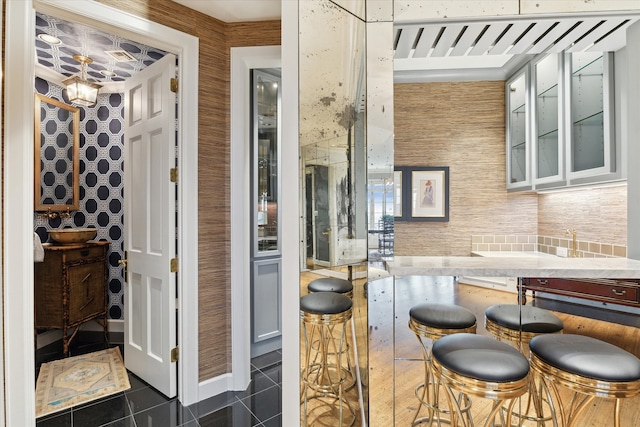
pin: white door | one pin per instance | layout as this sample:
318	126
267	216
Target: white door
149	225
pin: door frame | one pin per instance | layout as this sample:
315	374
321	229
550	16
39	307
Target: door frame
18	190
243	59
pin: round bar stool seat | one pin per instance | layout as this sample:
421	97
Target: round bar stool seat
331	284
324	316
503	321
326	303
434	321
585	365
480	366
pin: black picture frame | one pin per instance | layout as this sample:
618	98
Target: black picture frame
425	193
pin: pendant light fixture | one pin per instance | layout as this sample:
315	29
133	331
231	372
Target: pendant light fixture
79	90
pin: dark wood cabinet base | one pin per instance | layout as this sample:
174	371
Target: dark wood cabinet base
615	291
71	288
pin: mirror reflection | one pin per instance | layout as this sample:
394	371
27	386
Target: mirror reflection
56	155
459	122
333	172
332	136
443	119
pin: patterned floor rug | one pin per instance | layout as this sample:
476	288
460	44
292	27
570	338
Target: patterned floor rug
80	379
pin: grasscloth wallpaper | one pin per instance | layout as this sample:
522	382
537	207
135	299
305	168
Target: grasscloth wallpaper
598	215
216	39
462	125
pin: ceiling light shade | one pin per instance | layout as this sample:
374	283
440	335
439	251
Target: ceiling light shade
79	90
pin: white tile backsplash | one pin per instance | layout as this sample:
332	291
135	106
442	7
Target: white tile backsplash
546	244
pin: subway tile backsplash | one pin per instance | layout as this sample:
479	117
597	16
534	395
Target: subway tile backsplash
545	244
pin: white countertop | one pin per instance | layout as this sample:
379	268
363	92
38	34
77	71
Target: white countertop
517	265
502	254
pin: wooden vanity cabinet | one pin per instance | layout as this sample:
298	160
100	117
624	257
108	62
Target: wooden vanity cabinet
71	288
616	291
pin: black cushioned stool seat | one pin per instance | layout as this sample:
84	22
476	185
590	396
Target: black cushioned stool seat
444	317
481	358
324	317
434	321
325	303
483	367
503	320
331	284
586	365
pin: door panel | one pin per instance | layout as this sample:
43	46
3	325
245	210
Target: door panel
266	300
149	223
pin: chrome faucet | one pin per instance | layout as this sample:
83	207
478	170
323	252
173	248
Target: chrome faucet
572	232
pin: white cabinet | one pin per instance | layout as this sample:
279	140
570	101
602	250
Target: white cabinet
560	122
518	150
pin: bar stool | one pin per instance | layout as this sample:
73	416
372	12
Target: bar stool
479	366
587	366
518	325
344	287
324	316
434	321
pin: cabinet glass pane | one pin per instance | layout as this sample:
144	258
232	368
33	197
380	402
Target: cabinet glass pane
517	130
587	148
547	116
266	97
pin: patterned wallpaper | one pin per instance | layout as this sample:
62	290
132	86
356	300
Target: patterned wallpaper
80	39
56	145
101	187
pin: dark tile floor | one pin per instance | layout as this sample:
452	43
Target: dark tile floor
142	406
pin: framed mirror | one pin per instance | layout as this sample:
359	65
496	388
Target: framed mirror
56	155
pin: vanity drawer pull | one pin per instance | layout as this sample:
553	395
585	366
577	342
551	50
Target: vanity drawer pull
619	292
543	282
84	252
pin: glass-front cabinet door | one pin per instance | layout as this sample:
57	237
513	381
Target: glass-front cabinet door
518	175
548	126
266	254
591	150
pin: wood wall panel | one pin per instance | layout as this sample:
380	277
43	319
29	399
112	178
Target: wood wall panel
598	215
460	125
216	38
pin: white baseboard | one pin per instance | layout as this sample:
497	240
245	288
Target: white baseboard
214	386
54	335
